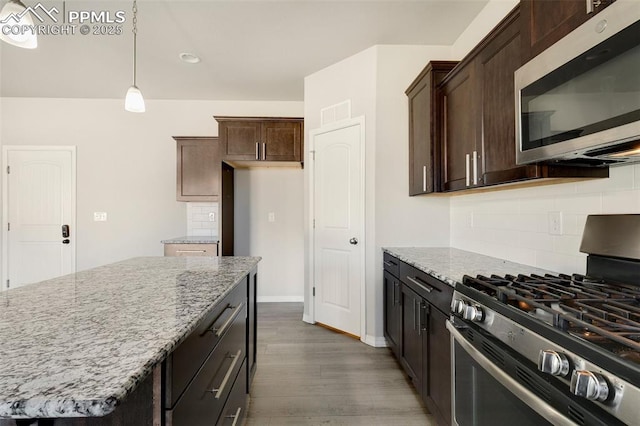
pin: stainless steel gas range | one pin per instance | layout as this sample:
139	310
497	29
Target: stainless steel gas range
553	349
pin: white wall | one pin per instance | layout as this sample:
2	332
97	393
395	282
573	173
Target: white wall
375	80
513	223
486	20
126	163
280	191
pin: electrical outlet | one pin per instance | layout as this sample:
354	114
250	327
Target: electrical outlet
99	216
212	217
272	217
555	223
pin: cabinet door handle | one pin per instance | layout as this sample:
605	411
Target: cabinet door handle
257	151
220	331
475	167
235	417
466	175
427	287
264	150
191	251
396	286
419	317
218	391
424	178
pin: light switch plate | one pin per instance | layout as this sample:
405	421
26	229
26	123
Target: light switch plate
99	216
272	217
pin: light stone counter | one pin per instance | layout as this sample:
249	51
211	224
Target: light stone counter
77	345
191	240
450	264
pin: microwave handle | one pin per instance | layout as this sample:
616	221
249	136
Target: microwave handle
528	397
475	167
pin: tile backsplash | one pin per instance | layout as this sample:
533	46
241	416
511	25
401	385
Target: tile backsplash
542	225
199	223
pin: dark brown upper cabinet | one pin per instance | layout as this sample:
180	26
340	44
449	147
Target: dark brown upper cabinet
479	116
547	21
258	139
425	102
198	173
460	140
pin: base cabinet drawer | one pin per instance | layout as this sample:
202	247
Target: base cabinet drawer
235	410
205	397
179	250
184	362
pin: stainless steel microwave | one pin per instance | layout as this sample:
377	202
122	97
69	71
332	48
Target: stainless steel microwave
579	101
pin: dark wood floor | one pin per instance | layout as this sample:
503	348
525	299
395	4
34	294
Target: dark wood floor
308	375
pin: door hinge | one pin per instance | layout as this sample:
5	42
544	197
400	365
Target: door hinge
313	155
8	284
8	226
314	224
314	292
8	169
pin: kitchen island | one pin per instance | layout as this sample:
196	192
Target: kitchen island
100	342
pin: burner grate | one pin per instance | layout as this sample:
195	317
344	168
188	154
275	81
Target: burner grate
605	313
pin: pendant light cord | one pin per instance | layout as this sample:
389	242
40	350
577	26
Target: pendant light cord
135	35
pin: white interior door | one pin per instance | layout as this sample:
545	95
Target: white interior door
39	199
338	212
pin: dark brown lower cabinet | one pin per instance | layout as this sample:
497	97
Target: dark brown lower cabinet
392	312
424	346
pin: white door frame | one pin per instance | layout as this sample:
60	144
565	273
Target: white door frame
5	201
357	121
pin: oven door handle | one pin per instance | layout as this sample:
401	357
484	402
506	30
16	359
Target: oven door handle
528	397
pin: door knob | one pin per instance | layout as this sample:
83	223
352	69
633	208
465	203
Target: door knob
353	241
65	241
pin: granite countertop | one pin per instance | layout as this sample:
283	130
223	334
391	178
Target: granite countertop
450	264
75	346
191	240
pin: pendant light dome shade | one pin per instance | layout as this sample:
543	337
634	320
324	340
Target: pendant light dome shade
15	28
134	102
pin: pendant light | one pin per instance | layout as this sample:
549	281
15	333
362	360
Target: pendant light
14	15
134	102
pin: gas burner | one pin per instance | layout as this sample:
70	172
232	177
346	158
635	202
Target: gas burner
604	313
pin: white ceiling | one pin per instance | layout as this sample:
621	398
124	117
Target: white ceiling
250	50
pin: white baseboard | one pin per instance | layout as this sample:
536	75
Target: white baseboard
376	342
307	318
274	299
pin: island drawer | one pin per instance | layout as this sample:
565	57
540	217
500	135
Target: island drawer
186	359
206	395
235	410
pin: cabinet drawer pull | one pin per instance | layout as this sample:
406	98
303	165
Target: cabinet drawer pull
218	391
475	167
427	287
389	264
191	251
424	178
235	417
220	331
466	175
257	151
264	150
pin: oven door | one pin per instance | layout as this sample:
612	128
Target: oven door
491	385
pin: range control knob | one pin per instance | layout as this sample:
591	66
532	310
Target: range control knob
552	362
457	306
473	313
589	385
